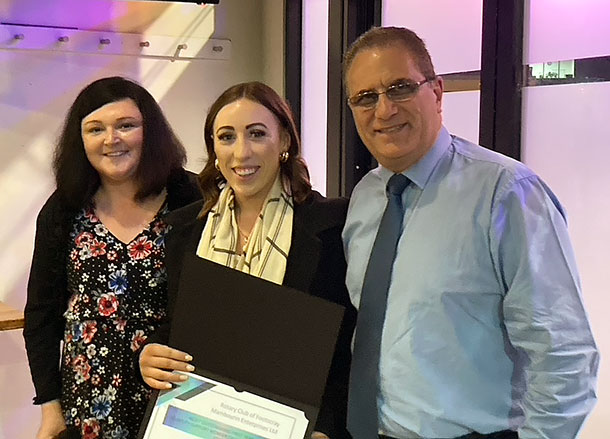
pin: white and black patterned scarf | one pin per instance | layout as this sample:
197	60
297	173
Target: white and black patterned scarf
266	252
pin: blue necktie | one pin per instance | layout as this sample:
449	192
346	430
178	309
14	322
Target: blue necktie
362	412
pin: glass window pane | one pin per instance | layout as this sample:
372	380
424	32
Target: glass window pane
452	30
461	114
563	30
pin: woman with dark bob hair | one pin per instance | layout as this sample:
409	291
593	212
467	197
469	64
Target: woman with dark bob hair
260	216
98	278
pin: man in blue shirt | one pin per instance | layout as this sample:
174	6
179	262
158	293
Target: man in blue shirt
485	334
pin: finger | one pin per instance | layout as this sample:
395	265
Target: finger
318	435
158	350
163	375
165	363
156	384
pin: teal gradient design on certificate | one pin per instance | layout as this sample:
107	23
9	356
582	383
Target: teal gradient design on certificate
191	387
203	427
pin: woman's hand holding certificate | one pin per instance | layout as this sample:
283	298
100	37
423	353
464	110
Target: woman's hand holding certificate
156	363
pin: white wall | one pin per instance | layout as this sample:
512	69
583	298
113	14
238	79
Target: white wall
36	89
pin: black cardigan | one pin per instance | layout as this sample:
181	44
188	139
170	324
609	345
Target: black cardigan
47	292
316	265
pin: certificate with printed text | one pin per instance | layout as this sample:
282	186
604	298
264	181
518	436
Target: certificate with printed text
262	353
207	409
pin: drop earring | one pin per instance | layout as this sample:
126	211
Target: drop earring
216	165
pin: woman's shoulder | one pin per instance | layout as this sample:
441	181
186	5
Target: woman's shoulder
54	221
185	230
317	202
54	210
321	212
52	203
184	215
182	189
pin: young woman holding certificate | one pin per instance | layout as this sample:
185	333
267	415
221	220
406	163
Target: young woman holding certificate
260	216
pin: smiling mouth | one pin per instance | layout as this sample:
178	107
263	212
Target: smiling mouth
245	172
390	130
115	153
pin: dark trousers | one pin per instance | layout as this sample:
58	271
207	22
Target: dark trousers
504	434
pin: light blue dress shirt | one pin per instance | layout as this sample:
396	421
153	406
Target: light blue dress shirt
485	327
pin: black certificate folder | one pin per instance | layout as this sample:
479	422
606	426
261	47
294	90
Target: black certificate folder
255	335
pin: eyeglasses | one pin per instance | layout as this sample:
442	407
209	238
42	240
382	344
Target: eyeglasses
399	92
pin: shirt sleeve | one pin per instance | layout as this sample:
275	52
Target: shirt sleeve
44	324
556	359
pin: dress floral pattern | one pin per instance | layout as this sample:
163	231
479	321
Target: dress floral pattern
118	297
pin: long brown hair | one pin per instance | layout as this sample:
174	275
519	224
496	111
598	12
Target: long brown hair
294	170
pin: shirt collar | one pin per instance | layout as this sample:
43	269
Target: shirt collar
421	171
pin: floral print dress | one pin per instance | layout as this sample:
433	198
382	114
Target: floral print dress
118	297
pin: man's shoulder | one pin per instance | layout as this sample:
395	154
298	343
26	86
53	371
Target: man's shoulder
484	158
372	180
501	174
367	199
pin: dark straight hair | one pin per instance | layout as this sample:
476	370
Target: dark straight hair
162	152
294	170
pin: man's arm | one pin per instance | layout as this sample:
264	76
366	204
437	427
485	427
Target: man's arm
543	310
